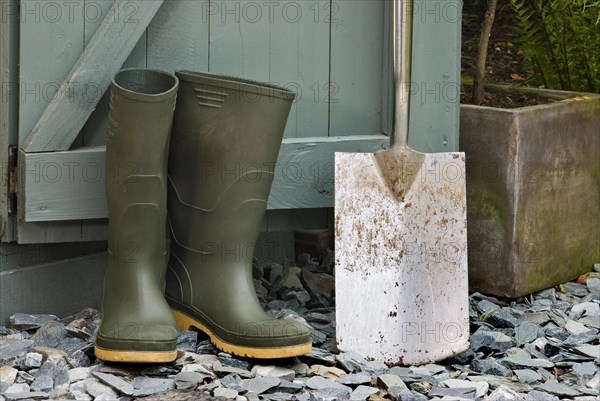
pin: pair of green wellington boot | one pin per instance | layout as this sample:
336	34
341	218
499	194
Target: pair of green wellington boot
209	161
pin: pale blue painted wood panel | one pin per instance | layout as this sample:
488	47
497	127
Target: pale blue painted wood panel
239	45
51	41
94	132
435	90
282	42
299	60
356	66
178	36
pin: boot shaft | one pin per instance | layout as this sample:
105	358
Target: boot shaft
226	137
140	120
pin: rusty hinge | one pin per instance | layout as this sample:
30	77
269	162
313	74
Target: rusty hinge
12	179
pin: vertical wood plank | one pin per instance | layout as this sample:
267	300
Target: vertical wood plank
435	89
356	66
94	131
239	42
52	38
9	46
299	60
387	79
178	36
284	43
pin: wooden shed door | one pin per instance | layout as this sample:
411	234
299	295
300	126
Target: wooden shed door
333	53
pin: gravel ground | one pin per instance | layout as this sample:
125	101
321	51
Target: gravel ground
543	347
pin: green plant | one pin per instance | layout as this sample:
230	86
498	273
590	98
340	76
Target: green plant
561	42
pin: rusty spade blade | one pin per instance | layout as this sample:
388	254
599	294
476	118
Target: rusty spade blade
401	240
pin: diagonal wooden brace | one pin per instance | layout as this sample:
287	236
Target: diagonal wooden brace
91	75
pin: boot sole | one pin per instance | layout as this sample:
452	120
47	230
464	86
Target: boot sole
185	322
112	355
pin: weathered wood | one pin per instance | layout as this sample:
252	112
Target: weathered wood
89	78
435	88
178	36
285	43
51	40
355	96
8	107
94	131
62	288
70	185
51	232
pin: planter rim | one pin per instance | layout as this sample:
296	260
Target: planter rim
562	97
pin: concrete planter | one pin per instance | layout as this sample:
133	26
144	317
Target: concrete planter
533	192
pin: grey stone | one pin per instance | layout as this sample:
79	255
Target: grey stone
538	318
144	386
527	375
558	389
465	392
319	356
583	338
33	360
4	387
56	369
585	369
50	335
588	350
580	310
43	384
593	285
286	386
301	296
26	396
320	284
94	388
273	371
352	362
496	382
486	306
526	332
23	321
78	391
225	393
260	385
597	267
490	341
17	388
187	341
320	383
500	318
206	347
481	387
579	290
115	382
388	380
504	393
228	360
521	359
489	367
362	393
232	381
12	348
541	396
574	327
189	380
407	395
300	368
420	387
159	371
355	379
78	374
222	370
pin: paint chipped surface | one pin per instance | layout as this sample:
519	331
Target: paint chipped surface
401	255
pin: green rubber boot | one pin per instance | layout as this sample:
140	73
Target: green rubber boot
138	325
226	138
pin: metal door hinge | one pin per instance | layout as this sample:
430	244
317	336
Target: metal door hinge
12	178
